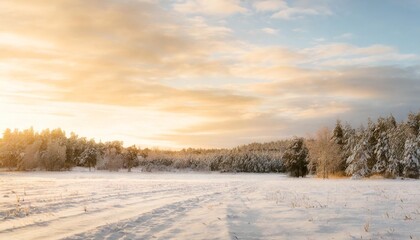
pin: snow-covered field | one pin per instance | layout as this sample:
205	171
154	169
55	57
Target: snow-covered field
102	205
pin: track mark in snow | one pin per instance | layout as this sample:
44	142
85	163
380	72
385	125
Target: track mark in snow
148	224
229	206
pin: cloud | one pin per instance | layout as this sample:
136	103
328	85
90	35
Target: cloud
270	31
342	54
300	105
386	83
271	56
126	48
269	5
116	67
212	8
291	13
230	132
286	12
281	63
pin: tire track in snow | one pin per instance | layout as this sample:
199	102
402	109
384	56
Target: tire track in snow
81	222
101	199
147	224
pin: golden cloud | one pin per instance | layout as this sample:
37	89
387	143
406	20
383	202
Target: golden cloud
138	55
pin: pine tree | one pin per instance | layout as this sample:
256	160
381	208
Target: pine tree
358	161
412	157
296	158
413	123
372	134
339	139
382	150
89	156
397	138
350	141
411	161
382	153
338	133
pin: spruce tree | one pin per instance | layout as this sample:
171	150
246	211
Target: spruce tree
361	155
382	153
89	156
296	158
339	138
382	150
411	161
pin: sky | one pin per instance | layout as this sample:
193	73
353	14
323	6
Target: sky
206	73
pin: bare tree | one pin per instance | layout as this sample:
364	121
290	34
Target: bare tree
324	153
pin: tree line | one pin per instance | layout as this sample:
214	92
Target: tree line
52	150
384	147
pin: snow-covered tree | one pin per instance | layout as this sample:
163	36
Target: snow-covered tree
350	141
411	162
75	147
413	123
130	157
383	154
296	158
382	150
53	158
361	154
340	137
31	157
10	149
338	133
112	158
89	156
397	138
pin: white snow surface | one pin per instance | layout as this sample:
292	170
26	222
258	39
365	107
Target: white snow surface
120	205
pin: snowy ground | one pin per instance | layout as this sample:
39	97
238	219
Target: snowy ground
102	205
